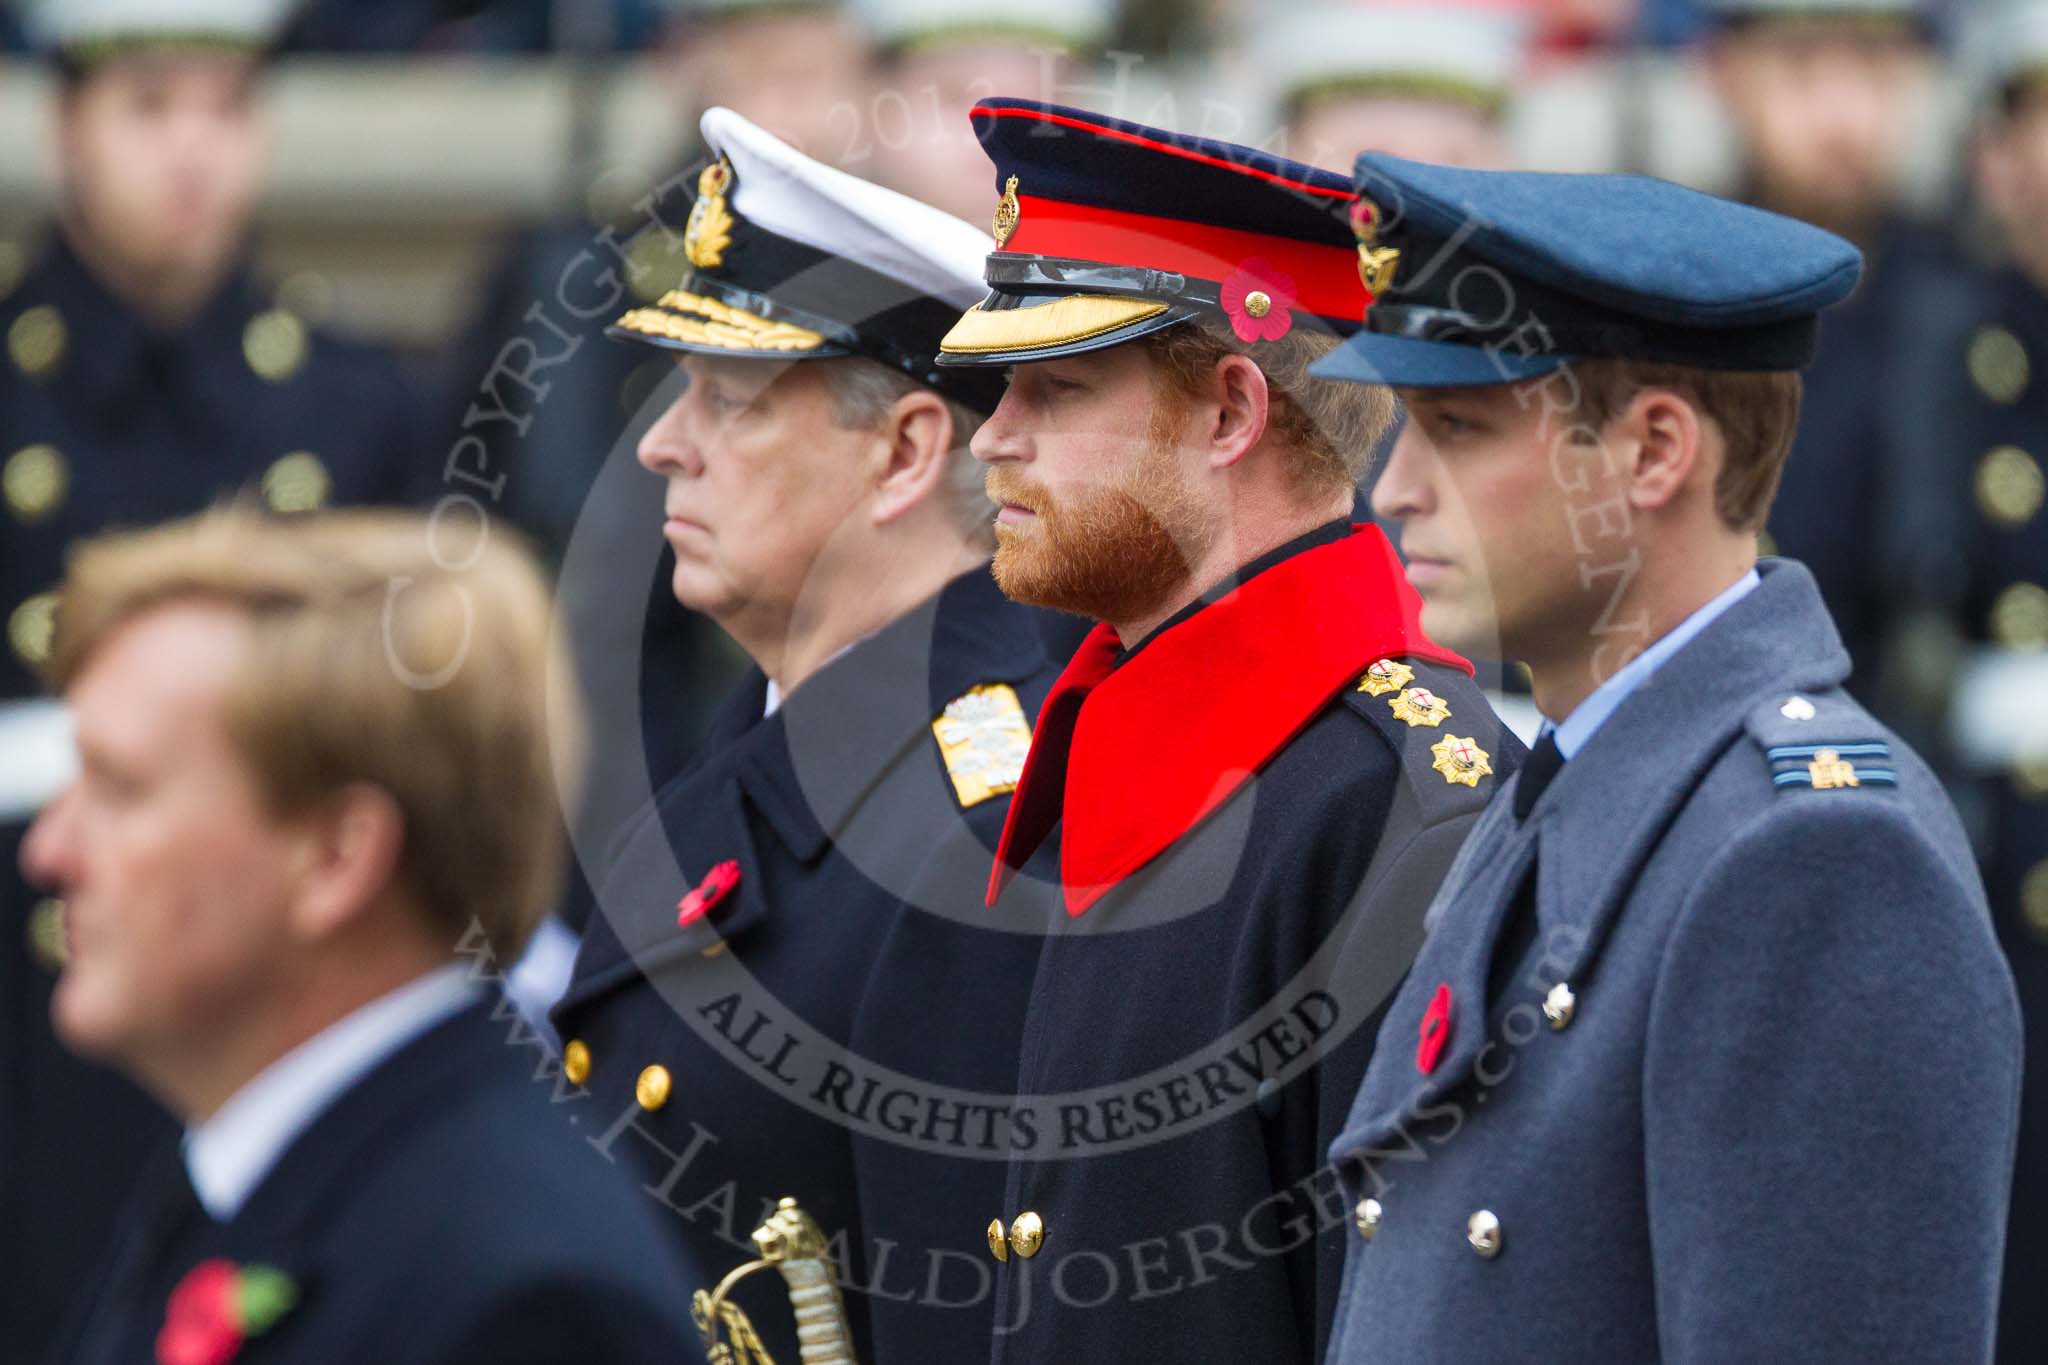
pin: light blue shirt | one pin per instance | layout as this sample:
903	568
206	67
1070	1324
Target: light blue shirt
1590	714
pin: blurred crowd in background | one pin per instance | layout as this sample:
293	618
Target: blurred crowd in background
377	264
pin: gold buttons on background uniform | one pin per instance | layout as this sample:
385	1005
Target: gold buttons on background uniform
36	340
274	343
1560	1005
2034	900
1366	1218
2019	616
1482	1230
652	1089
576	1062
297	482
45	932
998	1242
32	627
1999	366
33	481
1027	1234
2009	487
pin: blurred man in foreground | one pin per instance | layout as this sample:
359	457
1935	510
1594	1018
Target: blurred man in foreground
143	372
316	785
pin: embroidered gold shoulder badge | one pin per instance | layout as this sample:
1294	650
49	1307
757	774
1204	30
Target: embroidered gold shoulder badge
1461	761
984	738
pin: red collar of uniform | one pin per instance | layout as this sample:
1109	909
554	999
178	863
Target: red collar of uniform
1131	758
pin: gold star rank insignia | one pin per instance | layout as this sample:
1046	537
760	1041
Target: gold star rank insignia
1388	675
1461	761
1420	706
983	737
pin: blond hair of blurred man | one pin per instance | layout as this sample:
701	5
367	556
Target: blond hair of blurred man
314	787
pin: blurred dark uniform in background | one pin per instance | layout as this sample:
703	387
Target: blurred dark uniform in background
561	284
145	373
1824	95
1984	613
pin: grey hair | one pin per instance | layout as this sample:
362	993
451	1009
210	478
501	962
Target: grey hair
863	391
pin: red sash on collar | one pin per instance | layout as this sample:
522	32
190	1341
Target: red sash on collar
1132	758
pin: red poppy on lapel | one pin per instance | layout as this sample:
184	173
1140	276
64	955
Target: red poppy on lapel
1436	1030
717	883
217	1307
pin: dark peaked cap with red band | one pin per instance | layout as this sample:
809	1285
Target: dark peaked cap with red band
1109	230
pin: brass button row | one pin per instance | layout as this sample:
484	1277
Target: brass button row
650	1090
1025	1237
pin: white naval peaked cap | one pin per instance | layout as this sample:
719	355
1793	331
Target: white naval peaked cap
791	259
1468	52
778	188
1070	24
68	24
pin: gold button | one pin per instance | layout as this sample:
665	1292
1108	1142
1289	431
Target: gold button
1258	303
2019	617
32	628
2009	487
296	482
33	482
46	935
1999	366
652	1088
1560	1005
653	265
576	1062
1027	1235
2034	900
998	1245
1367	1218
274	344
1482	1230
36	341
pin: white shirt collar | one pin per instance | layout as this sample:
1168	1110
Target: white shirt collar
228	1155
1589	715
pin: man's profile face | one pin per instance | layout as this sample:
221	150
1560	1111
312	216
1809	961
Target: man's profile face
1825	111
175	877
760	476
1092	475
163	157
1486	490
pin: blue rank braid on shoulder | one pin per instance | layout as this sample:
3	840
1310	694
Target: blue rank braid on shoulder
1496	277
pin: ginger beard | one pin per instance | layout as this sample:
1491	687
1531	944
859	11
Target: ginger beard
1114	551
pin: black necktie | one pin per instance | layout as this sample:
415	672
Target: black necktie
1538	770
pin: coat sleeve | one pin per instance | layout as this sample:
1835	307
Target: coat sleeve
1831	1080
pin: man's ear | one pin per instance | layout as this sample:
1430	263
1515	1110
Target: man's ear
351	850
1238	402
914	446
1668	440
